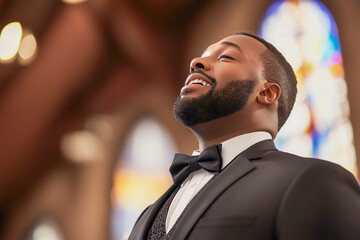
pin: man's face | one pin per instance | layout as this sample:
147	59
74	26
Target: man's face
221	81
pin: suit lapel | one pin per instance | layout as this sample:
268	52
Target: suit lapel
145	221
239	167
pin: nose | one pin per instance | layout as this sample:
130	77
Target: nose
199	64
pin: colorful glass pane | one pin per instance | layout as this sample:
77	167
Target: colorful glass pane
319	126
141	174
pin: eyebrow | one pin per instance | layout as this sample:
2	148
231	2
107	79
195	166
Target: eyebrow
231	44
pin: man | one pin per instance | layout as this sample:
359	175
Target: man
238	95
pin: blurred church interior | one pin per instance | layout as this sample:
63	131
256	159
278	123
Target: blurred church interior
86	93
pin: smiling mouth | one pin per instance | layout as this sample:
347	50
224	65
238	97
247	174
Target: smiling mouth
199	78
198	81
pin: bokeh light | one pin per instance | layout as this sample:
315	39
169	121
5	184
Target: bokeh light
10	41
82	146
27	49
17	43
73	1
45	229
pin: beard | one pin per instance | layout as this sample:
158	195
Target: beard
214	104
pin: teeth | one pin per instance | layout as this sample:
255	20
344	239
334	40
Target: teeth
200	81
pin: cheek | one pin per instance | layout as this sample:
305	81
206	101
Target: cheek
233	73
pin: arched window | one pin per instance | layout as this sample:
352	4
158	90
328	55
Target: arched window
141	174
306	33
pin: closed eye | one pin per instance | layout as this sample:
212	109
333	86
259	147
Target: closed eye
225	56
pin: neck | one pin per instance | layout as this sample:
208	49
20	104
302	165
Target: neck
207	142
219	130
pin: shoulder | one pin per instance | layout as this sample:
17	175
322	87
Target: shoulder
316	177
310	174
323	199
306	165
322	176
296	169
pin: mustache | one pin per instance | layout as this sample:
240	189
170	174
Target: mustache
212	79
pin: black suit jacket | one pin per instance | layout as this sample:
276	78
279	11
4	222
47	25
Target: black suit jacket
267	194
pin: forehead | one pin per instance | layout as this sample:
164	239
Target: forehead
249	46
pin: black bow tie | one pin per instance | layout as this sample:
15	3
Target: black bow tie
183	165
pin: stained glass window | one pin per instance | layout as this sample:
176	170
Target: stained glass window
306	33
141	174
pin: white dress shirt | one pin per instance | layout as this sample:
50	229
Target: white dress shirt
196	180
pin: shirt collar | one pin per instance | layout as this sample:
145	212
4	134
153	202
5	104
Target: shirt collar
233	146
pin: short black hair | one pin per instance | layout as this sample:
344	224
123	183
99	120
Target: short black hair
278	70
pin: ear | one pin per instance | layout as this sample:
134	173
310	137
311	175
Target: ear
270	94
